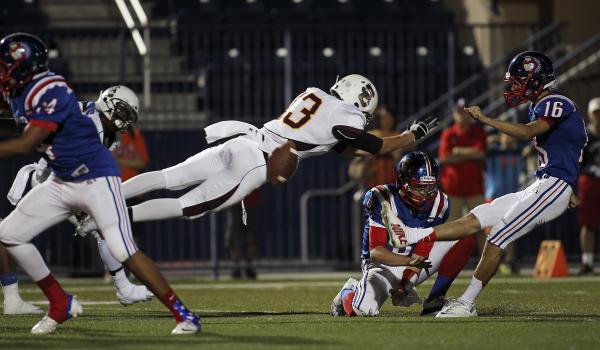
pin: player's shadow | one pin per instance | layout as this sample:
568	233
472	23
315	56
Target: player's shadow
228	314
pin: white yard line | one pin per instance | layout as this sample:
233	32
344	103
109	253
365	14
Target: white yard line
312	284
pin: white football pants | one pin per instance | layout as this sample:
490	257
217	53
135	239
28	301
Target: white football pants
52	202
377	280
223	176
515	214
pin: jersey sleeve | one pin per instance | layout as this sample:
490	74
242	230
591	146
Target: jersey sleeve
48	103
378	235
554	108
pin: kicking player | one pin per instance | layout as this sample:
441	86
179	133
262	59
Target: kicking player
416	201
558	131
116	110
315	122
85	177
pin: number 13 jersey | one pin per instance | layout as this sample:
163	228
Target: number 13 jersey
559	149
310	121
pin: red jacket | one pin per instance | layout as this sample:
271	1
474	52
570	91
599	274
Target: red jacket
464	179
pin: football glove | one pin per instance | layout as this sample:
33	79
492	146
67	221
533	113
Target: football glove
421	127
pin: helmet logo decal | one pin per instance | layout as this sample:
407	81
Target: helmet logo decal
366	95
530	64
427	178
17	51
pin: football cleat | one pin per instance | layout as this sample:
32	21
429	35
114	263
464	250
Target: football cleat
190	326
48	325
17	306
337	305
433	307
457	308
134	294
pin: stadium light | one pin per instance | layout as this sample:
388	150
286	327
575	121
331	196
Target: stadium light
130	23
139	12
233	52
468	50
328	52
375	51
281	52
422	51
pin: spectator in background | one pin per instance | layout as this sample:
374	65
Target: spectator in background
131	154
504	164
589	189
241	239
379	169
462	154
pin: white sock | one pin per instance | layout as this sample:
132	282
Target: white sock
110	263
587	259
29	258
143	183
121	281
473	290
157	209
11	291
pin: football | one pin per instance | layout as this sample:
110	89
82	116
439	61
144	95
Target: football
282	164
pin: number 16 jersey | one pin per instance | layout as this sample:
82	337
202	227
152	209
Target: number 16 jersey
310	121
559	149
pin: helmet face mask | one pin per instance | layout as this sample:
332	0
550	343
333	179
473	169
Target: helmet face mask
120	106
529	74
417	178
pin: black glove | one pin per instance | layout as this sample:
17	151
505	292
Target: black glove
421	127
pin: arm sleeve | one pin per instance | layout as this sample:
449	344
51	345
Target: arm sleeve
357	138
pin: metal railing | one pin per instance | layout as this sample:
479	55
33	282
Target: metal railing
307	196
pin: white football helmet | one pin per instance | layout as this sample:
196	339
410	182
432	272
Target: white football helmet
357	90
120	105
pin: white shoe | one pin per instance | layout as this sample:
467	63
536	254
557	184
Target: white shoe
337	305
48	325
433	307
457	308
17	306
187	327
134	294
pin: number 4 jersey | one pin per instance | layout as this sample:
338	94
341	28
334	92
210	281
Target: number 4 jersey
73	150
560	148
316	121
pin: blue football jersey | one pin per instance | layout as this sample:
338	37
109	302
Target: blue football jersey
560	149
73	150
373	201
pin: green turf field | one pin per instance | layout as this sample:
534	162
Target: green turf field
516	313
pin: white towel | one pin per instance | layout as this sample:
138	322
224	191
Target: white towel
18	187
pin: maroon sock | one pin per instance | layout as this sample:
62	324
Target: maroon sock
57	310
172	302
347	302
